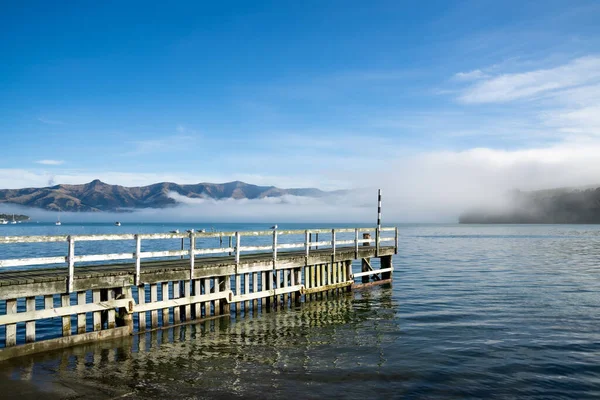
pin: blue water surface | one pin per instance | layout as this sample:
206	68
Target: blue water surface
494	311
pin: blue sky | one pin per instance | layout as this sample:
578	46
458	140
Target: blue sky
328	93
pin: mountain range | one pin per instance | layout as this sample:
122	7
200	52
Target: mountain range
99	196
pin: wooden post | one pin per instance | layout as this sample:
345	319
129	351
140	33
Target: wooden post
263	286
216	290
66	321
71	262
246	291
176	309
333	244
274	248
110	313
378	231
81	317
30	325
306	244
386	262
142	300
192	255
365	261
11	330
165	296
356	243
254	290
97	316
237	250
396	241
206	304
238	291
138	259
197	292
187	291
230	243
226	286
154	299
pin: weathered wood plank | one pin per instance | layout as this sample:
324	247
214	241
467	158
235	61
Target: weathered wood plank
246	291
206	304
66	320
165	296
63	311
198	292
11	330
81	316
142	300
30	325
254	290
110	314
176	295
154	299
187	291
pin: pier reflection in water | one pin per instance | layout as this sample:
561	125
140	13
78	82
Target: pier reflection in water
297	352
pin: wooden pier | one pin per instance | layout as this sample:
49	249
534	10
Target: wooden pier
109	295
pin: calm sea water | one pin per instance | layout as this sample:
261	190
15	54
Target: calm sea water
474	312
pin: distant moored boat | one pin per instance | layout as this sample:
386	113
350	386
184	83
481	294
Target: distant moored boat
117	223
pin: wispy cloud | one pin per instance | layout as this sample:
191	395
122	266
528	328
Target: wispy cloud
531	84
162	145
50	121
471	75
50	162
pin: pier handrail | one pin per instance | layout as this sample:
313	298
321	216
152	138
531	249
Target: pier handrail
235	247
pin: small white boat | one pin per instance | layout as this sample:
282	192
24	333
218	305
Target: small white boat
13	220
117	223
58	220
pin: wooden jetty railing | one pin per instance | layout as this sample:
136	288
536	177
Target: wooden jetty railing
109	298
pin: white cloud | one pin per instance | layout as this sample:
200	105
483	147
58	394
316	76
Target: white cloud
50	162
471	75
531	84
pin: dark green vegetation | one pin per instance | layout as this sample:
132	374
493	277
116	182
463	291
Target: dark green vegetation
18	217
100	196
555	206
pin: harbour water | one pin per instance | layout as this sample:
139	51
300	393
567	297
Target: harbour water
498	311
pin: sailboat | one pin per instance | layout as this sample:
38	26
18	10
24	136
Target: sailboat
13	220
58	220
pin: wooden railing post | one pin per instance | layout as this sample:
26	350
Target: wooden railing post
307	243
192	255
356	243
71	262
138	259
237	249
396	241
274	247
333	245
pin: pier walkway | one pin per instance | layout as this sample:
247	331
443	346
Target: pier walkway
85	296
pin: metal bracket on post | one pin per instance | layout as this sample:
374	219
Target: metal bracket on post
274	248
71	263
192	255
138	259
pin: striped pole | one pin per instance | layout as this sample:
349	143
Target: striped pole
378	232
